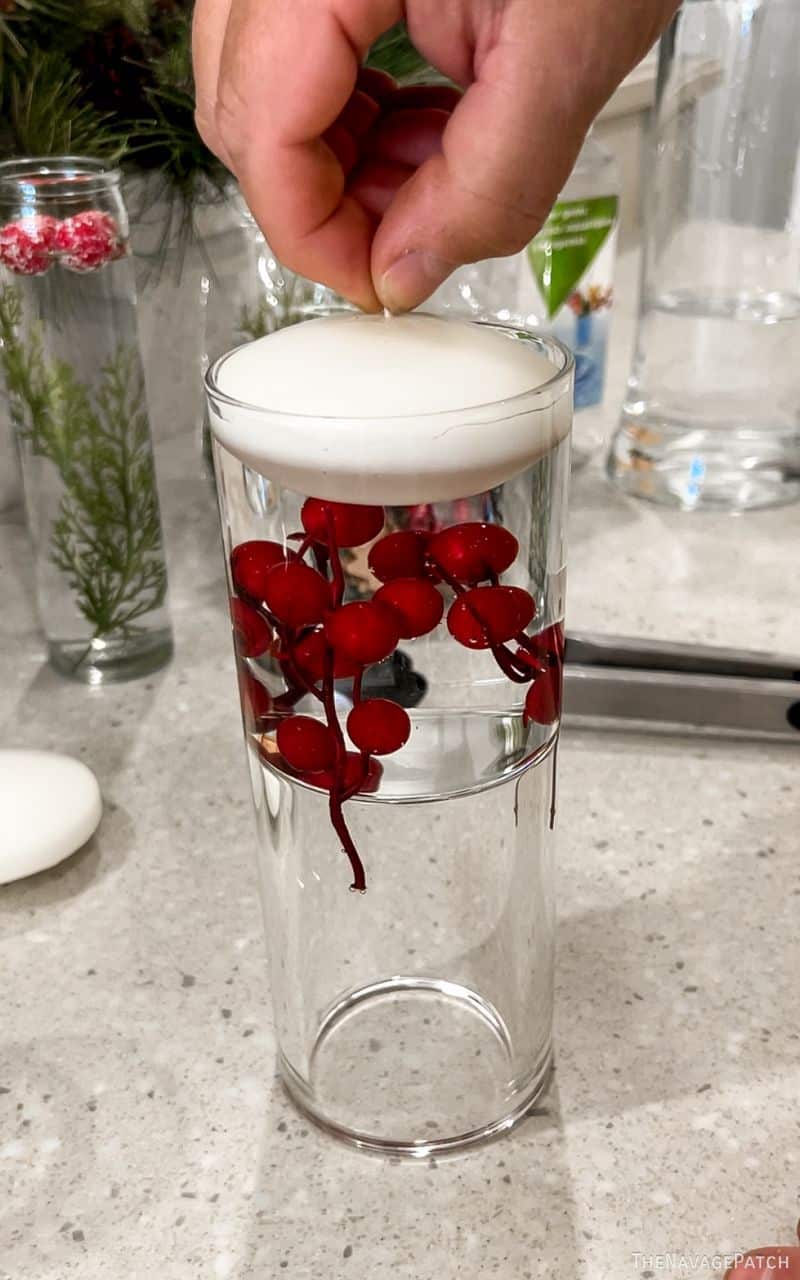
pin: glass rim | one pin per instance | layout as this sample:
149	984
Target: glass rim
56	177
546	343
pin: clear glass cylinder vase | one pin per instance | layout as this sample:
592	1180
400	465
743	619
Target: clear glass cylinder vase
711	419
402	740
70	361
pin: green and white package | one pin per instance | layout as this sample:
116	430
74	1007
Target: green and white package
566	285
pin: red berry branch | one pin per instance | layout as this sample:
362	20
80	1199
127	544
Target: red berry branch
297	612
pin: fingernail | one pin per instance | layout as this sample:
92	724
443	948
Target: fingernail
412	278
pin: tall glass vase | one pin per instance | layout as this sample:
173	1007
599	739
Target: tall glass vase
69	357
401	739
711	419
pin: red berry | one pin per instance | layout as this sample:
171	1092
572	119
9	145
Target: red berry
253	633
255	698
309	656
378	726
296	594
88	240
357	773
473	552
543	701
489	615
550	643
352	525
399	555
306	744
364	631
26	246
250	564
417	603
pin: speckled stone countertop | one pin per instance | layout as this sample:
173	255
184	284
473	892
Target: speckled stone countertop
143	1135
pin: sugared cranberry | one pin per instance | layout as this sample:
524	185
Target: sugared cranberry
88	240
416	602
310	654
296	594
255	698
473	552
250	564
489	615
399	555
364	631
358	775
253	633
543	700
378	726
26	247
353	525
306	744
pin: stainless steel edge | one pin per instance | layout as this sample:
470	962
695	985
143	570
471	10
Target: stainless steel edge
598	650
739	706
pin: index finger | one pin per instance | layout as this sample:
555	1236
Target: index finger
288	68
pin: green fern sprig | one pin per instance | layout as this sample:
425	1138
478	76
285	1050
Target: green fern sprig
106	537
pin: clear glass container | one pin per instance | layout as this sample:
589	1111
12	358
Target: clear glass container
711	418
70	361
406	877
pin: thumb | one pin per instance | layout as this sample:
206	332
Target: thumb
542	74
484	195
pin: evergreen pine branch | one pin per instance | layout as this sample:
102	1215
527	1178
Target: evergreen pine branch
113	78
48	115
106	537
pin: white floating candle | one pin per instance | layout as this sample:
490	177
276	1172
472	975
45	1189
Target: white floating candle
49	806
402	409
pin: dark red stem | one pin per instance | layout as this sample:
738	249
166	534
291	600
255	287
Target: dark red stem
293	674
289	699
337	795
505	661
336	564
502	655
305	540
320	558
553	785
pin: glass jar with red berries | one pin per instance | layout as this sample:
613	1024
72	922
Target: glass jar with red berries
70	362
393	494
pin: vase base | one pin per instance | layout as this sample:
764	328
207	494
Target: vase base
111	662
696	469
417	1067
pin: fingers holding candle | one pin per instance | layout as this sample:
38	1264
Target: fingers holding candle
283	77
379	191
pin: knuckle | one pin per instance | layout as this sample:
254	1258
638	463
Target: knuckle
206	128
232	117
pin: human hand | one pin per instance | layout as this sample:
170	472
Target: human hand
381	193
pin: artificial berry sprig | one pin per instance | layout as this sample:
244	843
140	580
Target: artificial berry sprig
285	606
84	242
